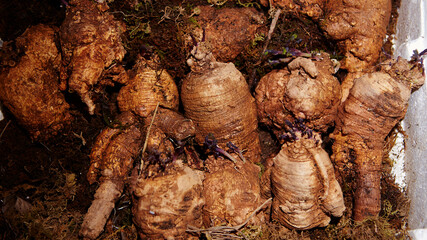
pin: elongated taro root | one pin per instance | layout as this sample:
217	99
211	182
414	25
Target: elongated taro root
166	204
231	192
147	85
216	98
112	156
376	103
303	184
229	30
305	90
29	84
90	40
359	26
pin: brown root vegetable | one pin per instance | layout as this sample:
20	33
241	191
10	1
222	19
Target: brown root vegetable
304	187
347	83
228	30
231	192
29	85
168	203
265	181
359	26
90	40
174	124
312	8
376	103
159	152
217	99
112	156
148	85
306	90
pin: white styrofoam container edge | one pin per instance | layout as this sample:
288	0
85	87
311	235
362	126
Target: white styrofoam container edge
410	161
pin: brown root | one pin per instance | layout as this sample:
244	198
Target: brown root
111	143
112	156
227	30
308	91
226	231
219	102
29	88
91	41
359	27
105	198
312	8
376	103
231	192
147	86
304	186
174	124
167	204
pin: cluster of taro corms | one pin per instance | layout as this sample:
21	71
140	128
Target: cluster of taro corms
297	126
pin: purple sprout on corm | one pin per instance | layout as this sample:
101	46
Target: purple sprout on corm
418	57
273	52
236	150
212	144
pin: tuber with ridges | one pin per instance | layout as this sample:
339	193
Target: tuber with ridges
376	103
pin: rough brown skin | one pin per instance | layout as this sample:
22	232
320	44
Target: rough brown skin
304	187
90	41
231	192
166	204
306	89
113	154
174	124
29	84
112	157
216	98
348	81
312	8
359	26
147	85
228	30
158	145
376	103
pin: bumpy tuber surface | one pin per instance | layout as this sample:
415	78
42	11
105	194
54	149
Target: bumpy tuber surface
166	204
90	40
159	150
216	98
112	158
174	124
29	84
303	184
312	8
359	26
228	30
147	85
376	103
306	90
231	192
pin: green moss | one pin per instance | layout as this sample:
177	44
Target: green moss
262	167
